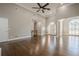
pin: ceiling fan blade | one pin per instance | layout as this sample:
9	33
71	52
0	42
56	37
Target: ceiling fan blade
38	10
39	5
47	8
35	7
43	11
45	5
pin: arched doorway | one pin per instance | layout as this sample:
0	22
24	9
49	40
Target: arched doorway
52	28
52	35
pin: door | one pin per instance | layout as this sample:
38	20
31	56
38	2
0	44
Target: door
3	29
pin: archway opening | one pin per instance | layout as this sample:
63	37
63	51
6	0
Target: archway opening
74	34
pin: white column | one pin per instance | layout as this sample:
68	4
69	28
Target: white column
61	32
46	25
46	32
57	35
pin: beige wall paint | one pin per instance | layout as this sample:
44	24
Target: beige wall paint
65	12
20	20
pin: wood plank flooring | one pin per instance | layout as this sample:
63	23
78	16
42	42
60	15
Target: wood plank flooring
42	47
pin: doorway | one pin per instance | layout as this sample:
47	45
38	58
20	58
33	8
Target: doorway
3	29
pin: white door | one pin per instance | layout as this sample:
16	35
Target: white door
3	29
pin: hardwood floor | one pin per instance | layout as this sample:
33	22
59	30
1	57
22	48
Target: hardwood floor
42	47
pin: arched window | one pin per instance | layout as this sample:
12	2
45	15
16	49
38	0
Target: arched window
52	37
74	27
52	28
74	32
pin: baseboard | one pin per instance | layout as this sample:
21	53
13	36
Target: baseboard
23	37
17	38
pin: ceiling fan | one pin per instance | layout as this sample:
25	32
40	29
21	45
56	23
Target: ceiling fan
41	8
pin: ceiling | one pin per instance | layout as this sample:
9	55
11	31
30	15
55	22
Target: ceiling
52	6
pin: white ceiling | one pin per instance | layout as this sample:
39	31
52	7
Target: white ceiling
52	6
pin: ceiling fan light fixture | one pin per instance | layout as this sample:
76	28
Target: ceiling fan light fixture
41	8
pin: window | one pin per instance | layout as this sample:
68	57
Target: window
52	28
73	38
74	27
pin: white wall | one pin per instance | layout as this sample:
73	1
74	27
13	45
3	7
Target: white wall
65	12
20	20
